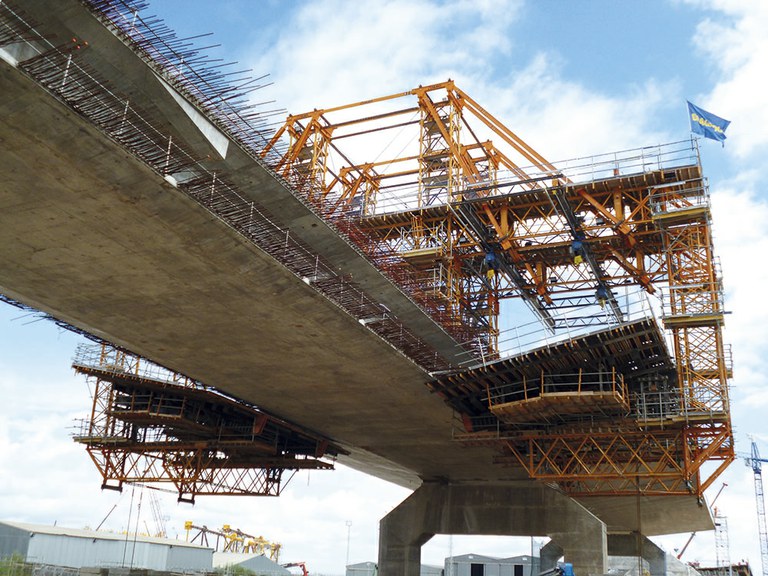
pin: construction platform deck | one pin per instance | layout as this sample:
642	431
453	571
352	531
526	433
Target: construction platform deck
575	377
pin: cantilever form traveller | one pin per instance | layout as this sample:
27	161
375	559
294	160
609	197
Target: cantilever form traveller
478	222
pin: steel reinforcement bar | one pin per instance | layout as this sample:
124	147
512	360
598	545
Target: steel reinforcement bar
223	99
79	86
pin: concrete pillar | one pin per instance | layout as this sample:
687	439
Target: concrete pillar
549	555
637	545
524	509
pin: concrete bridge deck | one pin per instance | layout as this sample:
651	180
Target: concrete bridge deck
91	235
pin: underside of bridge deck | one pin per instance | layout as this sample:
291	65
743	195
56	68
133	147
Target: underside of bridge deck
93	236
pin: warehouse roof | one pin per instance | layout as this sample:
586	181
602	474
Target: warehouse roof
100	534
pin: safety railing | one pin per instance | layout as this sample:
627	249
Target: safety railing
149	404
635	303
692	301
115	360
656	405
669	199
728	358
603	381
631	161
109	430
406	196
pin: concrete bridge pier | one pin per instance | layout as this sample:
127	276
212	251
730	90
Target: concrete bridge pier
524	509
639	546
549	554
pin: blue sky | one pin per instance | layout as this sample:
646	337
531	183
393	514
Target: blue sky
572	79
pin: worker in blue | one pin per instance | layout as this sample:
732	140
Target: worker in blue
577	248
491	263
602	295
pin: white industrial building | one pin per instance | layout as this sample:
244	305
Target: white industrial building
88	548
371	569
477	564
362	569
664	564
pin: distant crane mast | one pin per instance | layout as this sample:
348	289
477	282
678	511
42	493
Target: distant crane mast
157	515
756	463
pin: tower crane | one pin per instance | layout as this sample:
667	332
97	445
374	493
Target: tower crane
756	463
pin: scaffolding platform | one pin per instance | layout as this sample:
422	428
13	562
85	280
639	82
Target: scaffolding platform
150	424
588	375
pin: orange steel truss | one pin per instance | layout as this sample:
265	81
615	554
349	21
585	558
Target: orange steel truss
427	257
469	215
149	424
651	462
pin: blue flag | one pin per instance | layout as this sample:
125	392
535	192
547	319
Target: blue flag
707	124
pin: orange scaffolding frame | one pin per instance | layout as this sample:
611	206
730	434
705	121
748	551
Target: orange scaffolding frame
470	215
149	424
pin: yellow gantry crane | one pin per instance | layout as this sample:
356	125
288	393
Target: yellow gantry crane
463	215
228	539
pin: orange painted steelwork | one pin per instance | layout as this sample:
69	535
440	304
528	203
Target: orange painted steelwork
149	424
469	222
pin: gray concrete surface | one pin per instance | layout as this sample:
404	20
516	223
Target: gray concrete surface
549	555
488	509
637	546
90	235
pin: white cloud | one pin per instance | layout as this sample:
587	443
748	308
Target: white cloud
563	119
742	243
337	52
366	51
732	39
736	45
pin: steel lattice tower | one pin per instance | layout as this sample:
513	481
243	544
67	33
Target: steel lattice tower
756	463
